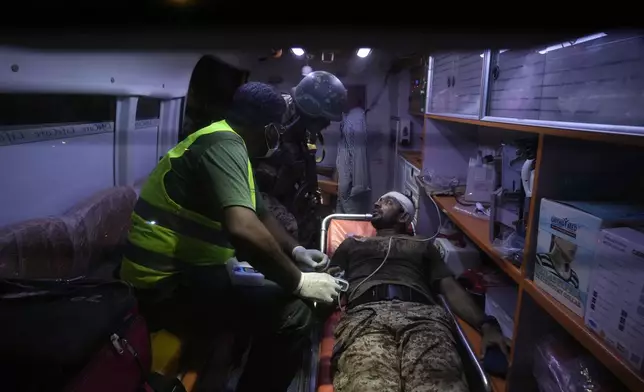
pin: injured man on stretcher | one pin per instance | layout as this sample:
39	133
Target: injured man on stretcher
393	336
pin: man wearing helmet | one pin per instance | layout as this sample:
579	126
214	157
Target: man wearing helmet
288	177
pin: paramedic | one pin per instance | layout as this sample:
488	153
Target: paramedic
354	190
393	336
288	179
198	209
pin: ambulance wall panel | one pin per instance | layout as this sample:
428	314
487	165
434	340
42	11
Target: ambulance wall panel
156	74
42	178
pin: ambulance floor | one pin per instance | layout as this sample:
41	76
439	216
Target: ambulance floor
301	382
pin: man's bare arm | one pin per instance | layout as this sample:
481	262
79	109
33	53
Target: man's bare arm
249	233
460	302
465	308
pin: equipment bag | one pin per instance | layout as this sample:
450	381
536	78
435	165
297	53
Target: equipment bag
72	336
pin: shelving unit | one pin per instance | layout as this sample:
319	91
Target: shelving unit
478	231
543	130
575	326
589	148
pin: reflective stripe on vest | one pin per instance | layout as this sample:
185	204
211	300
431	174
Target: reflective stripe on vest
165	237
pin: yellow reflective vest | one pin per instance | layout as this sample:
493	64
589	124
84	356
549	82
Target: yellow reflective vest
166	237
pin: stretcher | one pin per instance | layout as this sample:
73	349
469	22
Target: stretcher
335	228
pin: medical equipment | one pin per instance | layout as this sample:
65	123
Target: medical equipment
344	285
511	201
440	186
481	179
458	259
402	238
243	274
527	176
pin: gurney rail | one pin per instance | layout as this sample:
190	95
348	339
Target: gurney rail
326	221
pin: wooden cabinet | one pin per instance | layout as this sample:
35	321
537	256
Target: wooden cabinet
442	66
591	83
596	79
456	83
418	89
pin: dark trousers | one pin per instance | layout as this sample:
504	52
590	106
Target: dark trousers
279	323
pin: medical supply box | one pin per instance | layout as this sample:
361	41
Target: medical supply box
615	310
458	259
566	244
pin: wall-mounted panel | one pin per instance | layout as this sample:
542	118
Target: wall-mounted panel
55	150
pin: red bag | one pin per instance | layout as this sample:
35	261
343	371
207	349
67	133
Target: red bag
122	364
72	336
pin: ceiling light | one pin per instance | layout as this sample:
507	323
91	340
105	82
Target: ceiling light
364	52
572	43
297	51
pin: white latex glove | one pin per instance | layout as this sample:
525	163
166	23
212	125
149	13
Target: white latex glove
310	257
318	286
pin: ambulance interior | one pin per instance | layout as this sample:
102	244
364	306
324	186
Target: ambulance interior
476	138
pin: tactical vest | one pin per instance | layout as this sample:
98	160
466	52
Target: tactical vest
166	237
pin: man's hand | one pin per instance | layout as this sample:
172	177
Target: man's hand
492	336
310	257
318	286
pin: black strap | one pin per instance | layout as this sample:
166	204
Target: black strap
180	224
389	292
153	260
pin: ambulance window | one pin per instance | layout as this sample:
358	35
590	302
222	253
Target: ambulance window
26	109
148	108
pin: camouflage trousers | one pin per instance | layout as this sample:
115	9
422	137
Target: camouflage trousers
393	346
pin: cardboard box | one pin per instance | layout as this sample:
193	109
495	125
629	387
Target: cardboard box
615	310
566	242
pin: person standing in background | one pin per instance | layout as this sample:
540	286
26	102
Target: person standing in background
354	184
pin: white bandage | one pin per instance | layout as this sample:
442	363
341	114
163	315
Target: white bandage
404	201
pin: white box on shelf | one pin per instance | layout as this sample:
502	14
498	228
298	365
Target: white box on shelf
458	259
566	242
615	310
501	303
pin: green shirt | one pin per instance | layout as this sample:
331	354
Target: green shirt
213	175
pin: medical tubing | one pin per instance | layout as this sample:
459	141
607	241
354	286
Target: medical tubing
403	238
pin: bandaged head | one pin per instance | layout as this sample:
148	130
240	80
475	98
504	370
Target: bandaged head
404	202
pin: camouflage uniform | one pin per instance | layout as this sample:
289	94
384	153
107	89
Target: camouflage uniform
392	346
281	214
279	181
